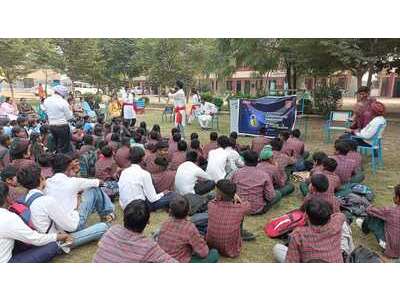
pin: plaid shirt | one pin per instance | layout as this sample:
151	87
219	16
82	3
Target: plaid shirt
86	148
293	147
254	185
181	239
22	163
224	222
356	157
333	178
283	160
391	216
122	157
120	245
258	143
277	174
328	197
164	180
207	148
106	168
149	164
178	158
172	148
317	242
345	168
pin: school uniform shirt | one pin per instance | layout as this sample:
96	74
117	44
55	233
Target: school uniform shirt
391	216
13	228
346	168
365	114
114	146
254	186
316	169
234	160
136	184
294	147
223	231
85	149
122	157
164	180
22	163
178	158
357	157
333	179
172	148
282	159
57	110
120	245
217	160
317	242
4	157
258	143
187	176
208	147
326	196
105	168
278	175
149	164
181	239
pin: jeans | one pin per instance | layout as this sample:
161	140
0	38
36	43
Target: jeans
40	254
163	202
62	138
204	187
212	257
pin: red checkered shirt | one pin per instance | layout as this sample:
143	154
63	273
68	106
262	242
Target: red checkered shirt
224	220
328	197
258	143
122	157
391	216
293	147
333	178
149	164
255	186
283	160
277	174
120	245
106	168
181	239
178	158
172	148
164	180
21	163
207	148
356	157
345	168
317	242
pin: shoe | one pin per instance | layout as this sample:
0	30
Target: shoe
382	244
359	222
247	236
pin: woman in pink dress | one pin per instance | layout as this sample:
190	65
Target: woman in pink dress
9	108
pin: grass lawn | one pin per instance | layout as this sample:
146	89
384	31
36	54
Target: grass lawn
260	250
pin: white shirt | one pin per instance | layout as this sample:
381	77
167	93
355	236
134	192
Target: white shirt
65	189
368	132
234	160
195	99
129	111
186	177
13	228
217	160
57	109
208	108
179	98
136	184
46	209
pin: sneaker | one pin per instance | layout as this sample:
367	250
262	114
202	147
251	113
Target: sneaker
359	222
247	236
382	244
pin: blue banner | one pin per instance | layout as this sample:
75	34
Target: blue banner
274	113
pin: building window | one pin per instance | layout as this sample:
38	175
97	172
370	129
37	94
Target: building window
247	86
229	85
238	86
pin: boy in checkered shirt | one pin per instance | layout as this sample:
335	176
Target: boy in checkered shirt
180	238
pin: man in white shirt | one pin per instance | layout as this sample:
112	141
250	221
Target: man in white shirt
129	111
12	229
207	109
218	159
136	183
59	113
179	104
187	175
234	160
70	211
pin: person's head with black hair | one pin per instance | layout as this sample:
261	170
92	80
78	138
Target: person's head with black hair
107	127
195	144
296	133
88	139
107	151
136	155
319	183
126	142
45	159
18	131
154	135
98	130
223	141
226	190
86	119
233	135
136	216
125	123
194	136
5	140
179	84
143	125
174	130
353	145
213	136
262	131
62	163
115	137
151	147
161	162
191	156
101	144
162	148
179	207
182	146
22	121
318	157
329	164
100	119
44	129
19	149
30	177
341	147
176	137
9	175
232	142
284	135
156	128
4	190
277	144
318	211
116	129
250	158
141	131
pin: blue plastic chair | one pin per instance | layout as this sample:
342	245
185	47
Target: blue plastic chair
338	121
376	145
168	112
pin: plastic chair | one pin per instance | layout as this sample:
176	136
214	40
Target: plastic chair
376	145
140	103
338	121
215	120
168	112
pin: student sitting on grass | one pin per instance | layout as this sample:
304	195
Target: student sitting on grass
180	238
88	145
45	161
122	156
317	158
258	143
173	146
225	220
106	169
279	178
234	160
320	240
384	223
346	167
163	179
12	229
354	155
212	145
127	244
15	190
179	156
284	161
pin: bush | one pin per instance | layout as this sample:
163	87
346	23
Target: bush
206	96
218	101
146	100
327	99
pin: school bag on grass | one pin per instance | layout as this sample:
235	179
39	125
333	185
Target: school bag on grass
354	204
87	164
363	255
363	190
284	224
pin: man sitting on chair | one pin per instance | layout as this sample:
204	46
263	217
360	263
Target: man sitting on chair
207	110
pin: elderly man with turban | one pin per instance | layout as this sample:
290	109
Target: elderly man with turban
59	113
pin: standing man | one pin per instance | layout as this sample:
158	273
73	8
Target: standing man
59	113
129	107
179	99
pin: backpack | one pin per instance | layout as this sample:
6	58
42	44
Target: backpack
22	208
87	164
354	204
284	224
363	190
363	255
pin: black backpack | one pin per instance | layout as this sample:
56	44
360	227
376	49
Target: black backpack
363	255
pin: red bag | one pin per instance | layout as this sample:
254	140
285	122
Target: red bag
285	223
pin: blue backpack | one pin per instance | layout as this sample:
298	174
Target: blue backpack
22	208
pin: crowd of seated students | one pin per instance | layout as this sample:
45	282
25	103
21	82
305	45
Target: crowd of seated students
222	181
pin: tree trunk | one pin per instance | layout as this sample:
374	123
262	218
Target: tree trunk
289	75
359	78
159	93
267	84
294	82
11	88
369	81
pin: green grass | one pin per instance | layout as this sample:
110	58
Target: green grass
260	250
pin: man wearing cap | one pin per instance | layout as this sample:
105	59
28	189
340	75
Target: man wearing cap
59	113
363	113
